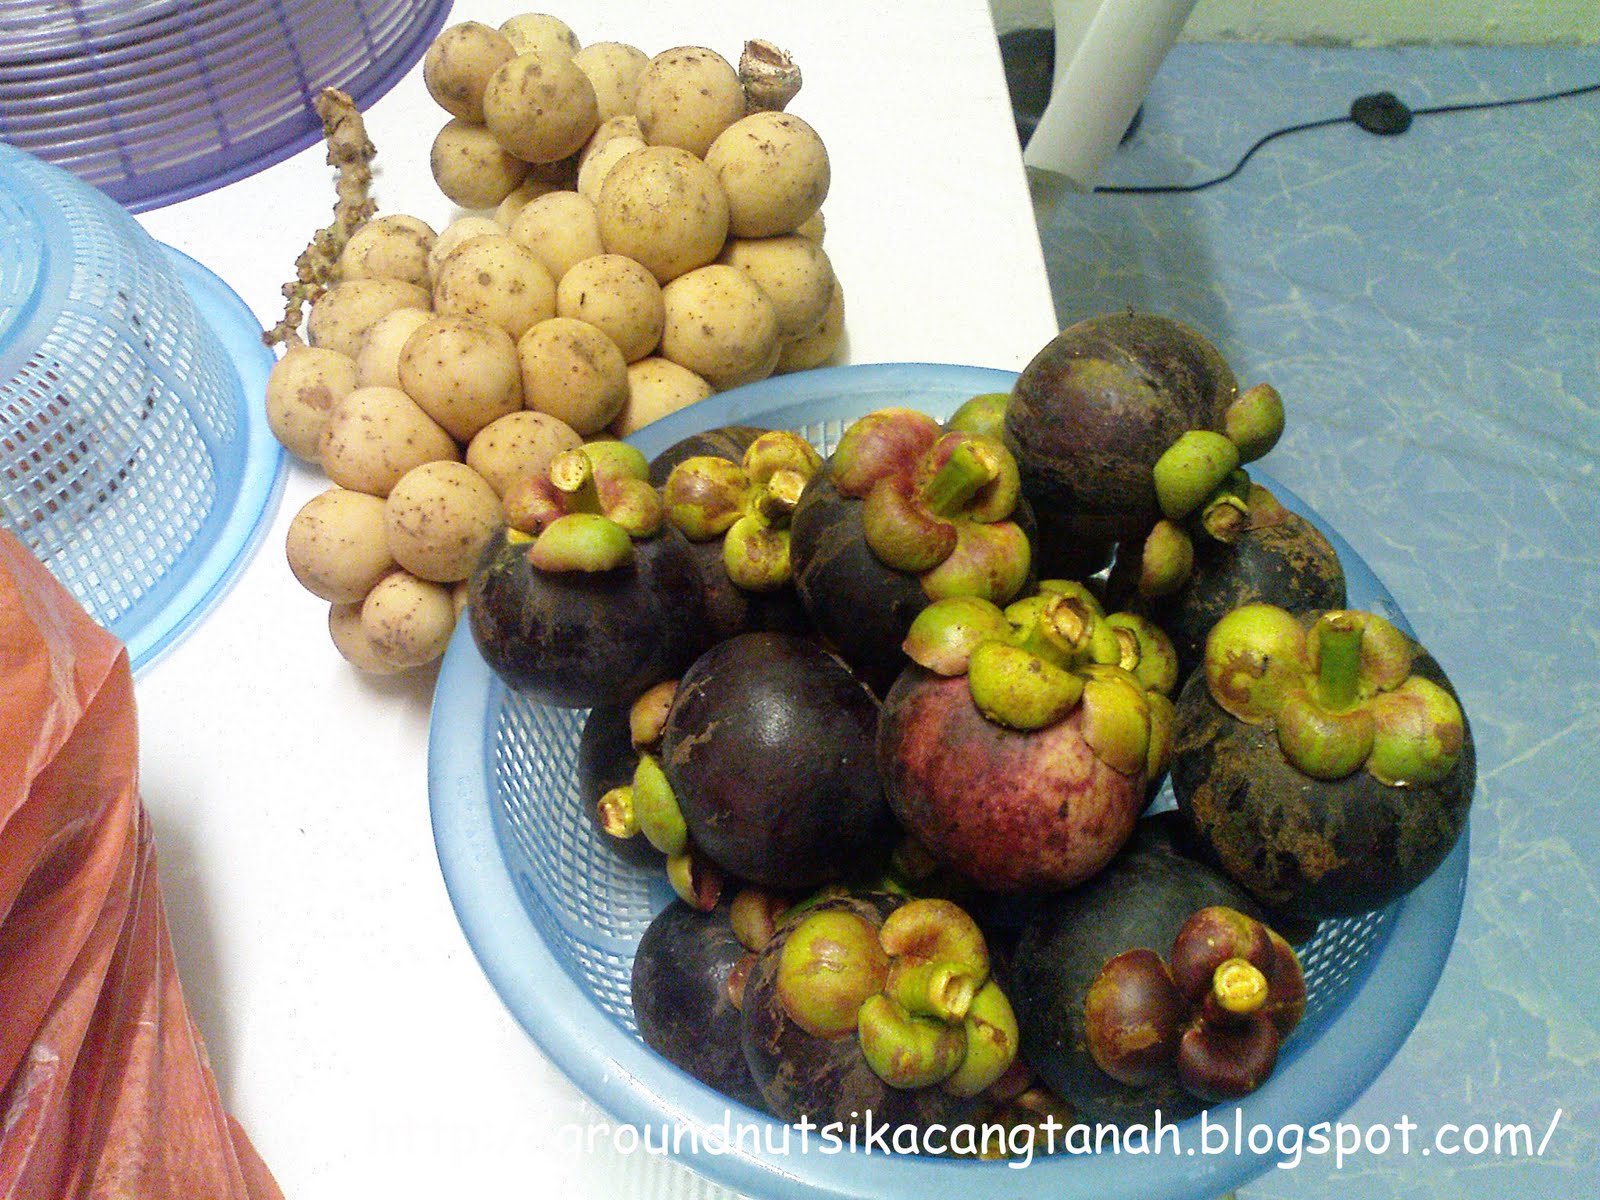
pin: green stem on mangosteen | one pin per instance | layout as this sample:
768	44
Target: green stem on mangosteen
1238	986
941	990
616	812
972	465
572	473
774	501
1338	643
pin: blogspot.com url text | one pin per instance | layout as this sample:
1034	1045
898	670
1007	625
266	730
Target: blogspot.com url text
1019	1145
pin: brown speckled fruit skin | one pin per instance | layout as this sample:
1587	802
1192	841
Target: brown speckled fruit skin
1086	448
1304	847
1010	811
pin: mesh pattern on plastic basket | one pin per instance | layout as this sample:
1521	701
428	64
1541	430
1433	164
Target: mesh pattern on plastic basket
159	99
122	443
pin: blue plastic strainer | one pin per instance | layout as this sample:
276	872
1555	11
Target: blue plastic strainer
157	100
554	916
135	458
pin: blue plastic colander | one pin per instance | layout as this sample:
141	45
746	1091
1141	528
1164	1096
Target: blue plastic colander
157	100
554	916
135	458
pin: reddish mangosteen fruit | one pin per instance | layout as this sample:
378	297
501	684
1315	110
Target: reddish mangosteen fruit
1019	745
768	752
687	988
1093	412
1322	759
587	596
1153	988
905	512
866	1006
1248	549
736	513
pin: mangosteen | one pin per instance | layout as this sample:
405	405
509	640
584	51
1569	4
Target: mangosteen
722	441
1248	549
768	751
868	1007
588	595
609	749
1154	987
904	513
1092	413
687	986
1019	744
735	513
1322	759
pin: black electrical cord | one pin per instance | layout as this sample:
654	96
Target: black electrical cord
1380	113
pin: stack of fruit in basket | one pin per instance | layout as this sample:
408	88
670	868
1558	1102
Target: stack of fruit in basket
900	780
639	232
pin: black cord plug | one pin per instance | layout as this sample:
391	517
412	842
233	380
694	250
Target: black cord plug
1382	113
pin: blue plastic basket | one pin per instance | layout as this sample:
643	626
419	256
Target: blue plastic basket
135	458
554	917
157	100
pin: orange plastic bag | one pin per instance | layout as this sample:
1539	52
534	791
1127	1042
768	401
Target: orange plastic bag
105	1090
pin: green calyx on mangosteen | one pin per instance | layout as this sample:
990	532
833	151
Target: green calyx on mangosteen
1128	419
1243	547
1019	744
1154	987
1324	758
747	504
876	1004
768	750
638	813
731	491
905	512
587	596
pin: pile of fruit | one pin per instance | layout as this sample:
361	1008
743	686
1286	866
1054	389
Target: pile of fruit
891	722
635	233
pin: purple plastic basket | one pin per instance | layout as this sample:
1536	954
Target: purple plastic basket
154	101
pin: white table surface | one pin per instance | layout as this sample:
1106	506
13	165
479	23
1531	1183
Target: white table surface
348	1023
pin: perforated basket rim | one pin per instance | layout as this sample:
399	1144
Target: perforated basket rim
637	1087
261	481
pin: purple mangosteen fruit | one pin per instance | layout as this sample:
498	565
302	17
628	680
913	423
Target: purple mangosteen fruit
1155	987
736	511
1019	745
905	512
1322	759
768	754
587	595
687	987
1094	411
871	1007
